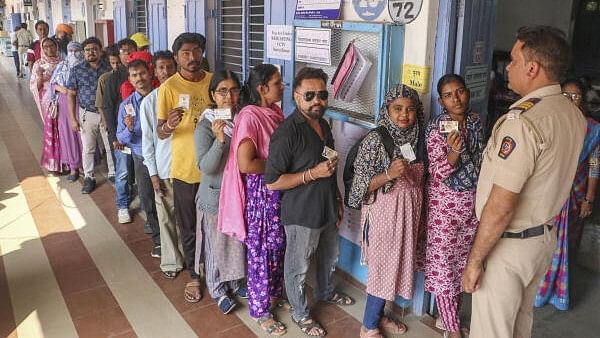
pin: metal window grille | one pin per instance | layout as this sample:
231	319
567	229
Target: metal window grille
141	25
241	35
362	107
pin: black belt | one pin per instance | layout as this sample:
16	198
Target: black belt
91	111
527	233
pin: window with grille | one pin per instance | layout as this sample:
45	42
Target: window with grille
241	35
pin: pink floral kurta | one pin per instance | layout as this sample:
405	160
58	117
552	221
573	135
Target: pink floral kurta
451	223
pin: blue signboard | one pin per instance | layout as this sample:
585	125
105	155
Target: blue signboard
325	9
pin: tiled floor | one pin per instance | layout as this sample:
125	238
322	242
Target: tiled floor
68	269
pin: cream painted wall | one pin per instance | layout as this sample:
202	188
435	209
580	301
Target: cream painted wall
175	19
419	42
512	14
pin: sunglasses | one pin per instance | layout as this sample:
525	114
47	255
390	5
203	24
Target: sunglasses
572	96
310	95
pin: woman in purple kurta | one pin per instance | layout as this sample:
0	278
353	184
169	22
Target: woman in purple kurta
70	141
248	210
454	163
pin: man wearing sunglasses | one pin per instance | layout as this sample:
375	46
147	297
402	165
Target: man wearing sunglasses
302	163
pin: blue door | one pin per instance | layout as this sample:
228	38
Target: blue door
195	16
157	25
464	45
120	19
66	10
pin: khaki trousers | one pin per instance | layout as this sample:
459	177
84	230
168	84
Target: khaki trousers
89	123
503	306
171	258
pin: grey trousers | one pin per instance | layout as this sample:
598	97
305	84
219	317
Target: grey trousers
302	244
171	252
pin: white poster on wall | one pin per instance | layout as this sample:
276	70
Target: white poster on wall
313	45
279	42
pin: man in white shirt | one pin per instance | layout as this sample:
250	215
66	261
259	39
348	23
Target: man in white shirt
157	158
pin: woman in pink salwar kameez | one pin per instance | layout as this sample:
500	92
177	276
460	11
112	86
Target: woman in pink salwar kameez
39	84
454	148
390	190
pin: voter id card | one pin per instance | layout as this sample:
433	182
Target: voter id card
184	101
126	150
408	152
129	109
222	113
447	127
329	153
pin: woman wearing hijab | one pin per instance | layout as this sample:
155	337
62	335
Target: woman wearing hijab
70	141
390	190
39	84
454	149
249	211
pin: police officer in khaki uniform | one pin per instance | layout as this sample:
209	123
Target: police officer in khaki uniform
527	172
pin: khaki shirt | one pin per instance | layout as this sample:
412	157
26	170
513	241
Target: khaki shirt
540	166
24	38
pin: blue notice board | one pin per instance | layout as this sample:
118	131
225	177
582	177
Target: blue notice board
324	9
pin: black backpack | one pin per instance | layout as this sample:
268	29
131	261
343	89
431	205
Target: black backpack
348	176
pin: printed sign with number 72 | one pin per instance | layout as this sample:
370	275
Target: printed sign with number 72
403	12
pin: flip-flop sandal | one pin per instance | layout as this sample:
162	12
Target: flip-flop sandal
307	325
271	326
169	274
339	298
192	297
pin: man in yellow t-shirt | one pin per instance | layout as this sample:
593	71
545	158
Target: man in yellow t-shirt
181	101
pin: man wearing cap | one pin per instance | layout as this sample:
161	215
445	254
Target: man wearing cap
526	174
141	40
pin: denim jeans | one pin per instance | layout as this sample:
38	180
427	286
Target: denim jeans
302	244
121	173
373	311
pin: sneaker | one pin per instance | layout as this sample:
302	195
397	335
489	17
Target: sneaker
225	304
147	229
89	184
241	292
155	251
123	216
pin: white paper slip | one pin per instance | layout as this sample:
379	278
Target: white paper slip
448	126
408	152
184	101
126	150
329	153
129	109
222	113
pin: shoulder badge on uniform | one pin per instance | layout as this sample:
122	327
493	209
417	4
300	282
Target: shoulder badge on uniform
526	105
507	147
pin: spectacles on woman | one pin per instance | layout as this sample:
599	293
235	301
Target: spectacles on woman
310	95
572	96
223	92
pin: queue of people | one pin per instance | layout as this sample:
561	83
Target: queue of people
245	200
